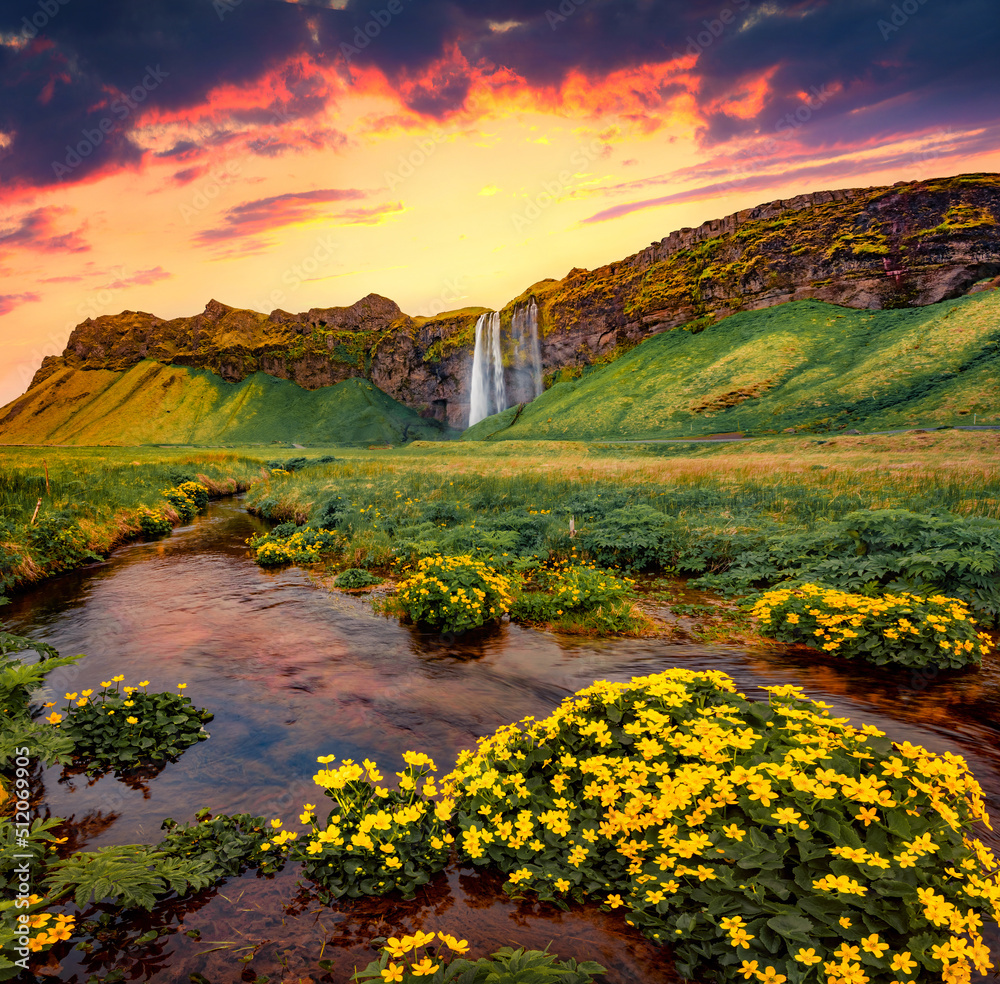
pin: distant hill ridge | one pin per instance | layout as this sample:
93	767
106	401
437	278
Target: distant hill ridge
910	244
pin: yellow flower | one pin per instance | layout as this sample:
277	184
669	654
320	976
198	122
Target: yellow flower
808	957
143	683
72	696
771	976
132	720
615	901
119	678
393	972
872	944
181	686
424	969
54	718
903	962
749	968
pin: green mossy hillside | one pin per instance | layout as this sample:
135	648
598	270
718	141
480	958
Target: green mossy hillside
153	403
803	365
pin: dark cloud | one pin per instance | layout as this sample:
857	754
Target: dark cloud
262	214
886	71
88	57
37	231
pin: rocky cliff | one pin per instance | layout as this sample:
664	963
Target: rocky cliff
906	245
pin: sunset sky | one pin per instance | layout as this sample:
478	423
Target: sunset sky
157	154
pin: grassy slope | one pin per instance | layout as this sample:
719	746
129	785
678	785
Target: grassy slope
157	404
807	364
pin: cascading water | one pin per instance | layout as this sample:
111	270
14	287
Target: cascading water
479	400
492	388
526	358
489	391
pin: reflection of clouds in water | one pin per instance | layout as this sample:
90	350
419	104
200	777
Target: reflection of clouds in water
292	672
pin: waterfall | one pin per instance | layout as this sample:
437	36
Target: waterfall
494	388
496	364
526	358
479	401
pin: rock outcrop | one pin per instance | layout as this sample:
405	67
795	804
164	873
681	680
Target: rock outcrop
910	244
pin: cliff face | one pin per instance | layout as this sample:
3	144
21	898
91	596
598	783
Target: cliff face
911	244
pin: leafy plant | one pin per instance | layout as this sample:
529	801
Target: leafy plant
374	840
226	844
354	578
904	629
121	729
19	681
136	875
453	594
426	960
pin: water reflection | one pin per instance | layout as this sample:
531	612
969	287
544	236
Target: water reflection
292	672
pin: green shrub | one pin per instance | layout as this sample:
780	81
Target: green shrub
154	523
754	838
637	537
354	578
57	543
577	596
453	594
303	546
121	729
904	629
374	840
429	961
187	498
882	549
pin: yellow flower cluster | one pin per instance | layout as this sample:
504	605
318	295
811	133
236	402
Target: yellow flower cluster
454	593
422	966
674	786
52	929
302	547
375	829
903	628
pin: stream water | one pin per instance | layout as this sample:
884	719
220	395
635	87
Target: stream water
292	671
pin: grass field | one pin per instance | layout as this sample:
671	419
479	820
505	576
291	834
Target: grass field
89	500
805	365
506	500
